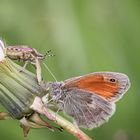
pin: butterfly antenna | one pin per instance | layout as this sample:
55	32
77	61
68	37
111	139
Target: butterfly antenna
50	71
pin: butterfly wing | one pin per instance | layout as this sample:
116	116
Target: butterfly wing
108	85
88	110
90	99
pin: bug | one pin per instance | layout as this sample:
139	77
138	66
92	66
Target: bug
27	55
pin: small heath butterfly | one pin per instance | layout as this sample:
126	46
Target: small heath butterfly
90	99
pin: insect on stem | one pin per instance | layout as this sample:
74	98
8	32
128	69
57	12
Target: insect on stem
27	55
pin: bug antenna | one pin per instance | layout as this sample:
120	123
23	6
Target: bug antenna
49	53
45	65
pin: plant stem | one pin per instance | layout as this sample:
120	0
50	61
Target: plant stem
68	126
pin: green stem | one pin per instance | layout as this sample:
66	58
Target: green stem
70	127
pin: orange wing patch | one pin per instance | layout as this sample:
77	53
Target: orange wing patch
102	85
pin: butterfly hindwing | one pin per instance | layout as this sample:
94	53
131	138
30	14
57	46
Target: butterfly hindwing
88	110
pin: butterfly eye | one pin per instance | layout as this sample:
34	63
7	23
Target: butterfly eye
112	80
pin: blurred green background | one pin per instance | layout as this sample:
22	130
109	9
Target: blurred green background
85	36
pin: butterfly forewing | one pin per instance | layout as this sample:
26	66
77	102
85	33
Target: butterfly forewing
109	85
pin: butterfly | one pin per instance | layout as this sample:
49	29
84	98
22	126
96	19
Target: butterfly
90	99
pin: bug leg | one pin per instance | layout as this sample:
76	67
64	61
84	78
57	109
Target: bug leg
38	70
24	66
